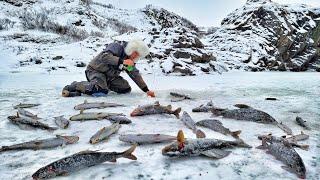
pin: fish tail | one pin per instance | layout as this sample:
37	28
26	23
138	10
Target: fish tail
235	134
176	112
3	148
243	144
304	147
128	153
200	134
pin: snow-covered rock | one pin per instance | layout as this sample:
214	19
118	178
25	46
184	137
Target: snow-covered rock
265	35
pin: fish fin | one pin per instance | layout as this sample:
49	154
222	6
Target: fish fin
235	134
301	146
216	153
243	144
242	106
200	134
264	143
285	128
287	169
18	115
128	153
261	147
176	112
180	137
157	103
86	151
85	102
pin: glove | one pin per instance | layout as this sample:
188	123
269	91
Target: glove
128	62
151	94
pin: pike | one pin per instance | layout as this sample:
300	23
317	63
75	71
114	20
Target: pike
23	112
113	117
62	122
21	105
155	108
81	160
180	97
247	113
104	133
23	120
146	138
212	148
204	108
217	126
302	123
188	121
283	151
99	105
42	144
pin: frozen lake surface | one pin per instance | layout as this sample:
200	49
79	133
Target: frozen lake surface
297	93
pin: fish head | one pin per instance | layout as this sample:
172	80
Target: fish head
172	149
137	112
94	139
300	171
45	173
69	139
177	147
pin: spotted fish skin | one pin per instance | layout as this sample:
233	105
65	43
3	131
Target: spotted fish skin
24	120
104	133
146	138
247	113
284	151
98	105
195	147
81	160
217	126
204	107
155	108
42	144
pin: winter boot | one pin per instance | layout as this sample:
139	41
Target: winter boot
70	90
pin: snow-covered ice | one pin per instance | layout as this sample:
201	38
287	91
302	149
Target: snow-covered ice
297	94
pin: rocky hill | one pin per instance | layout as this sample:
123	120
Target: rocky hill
65	35
263	35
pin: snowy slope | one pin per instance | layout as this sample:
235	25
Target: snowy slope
261	35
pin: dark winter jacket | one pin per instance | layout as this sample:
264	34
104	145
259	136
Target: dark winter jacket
110	63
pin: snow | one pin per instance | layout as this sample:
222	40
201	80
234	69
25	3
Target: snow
297	93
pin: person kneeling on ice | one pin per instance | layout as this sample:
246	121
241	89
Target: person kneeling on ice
103	72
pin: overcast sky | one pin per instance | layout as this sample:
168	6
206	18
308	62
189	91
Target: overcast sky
200	12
